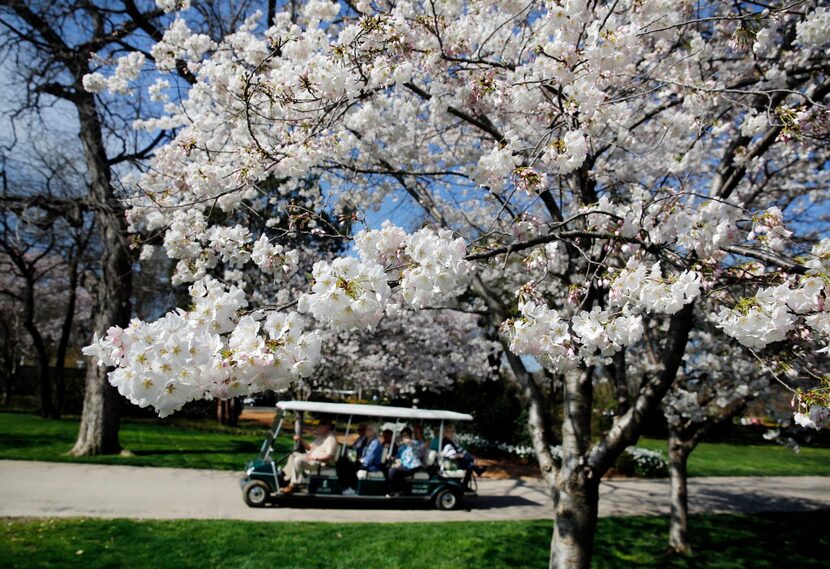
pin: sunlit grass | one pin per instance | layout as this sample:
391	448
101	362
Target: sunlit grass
770	541
725	459
181	444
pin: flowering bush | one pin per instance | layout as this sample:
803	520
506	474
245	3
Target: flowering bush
477	442
635	461
643	463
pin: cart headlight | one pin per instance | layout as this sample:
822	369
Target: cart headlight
248	472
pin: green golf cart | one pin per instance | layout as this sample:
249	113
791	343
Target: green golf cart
440	482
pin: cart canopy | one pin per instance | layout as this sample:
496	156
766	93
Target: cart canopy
373	411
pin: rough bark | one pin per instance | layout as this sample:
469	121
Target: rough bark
8	367
98	432
679	451
576	493
10	354
537	425
575	505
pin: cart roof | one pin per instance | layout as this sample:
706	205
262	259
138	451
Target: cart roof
372	410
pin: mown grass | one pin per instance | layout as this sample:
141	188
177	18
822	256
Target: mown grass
726	459
194	444
203	444
719	542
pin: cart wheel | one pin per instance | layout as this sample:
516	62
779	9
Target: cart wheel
255	493
446	500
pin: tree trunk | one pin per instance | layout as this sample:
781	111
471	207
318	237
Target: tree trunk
98	433
11	360
100	419
44	381
298	429
536	423
228	411
679	519
575	505
620	383
576	494
59	388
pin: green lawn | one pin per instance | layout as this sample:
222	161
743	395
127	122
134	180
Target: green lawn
779	540
723	459
202	444
198	444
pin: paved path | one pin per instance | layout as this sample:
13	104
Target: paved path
60	489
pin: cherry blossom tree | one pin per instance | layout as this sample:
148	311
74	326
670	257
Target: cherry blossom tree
412	351
595	175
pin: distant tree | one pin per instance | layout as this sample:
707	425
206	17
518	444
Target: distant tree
44	253
11	341
415	350
717	382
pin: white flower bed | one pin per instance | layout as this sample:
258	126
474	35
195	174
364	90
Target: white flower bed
647	463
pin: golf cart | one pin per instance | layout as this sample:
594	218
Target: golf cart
439	481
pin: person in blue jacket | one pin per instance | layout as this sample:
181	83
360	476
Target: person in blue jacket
371	458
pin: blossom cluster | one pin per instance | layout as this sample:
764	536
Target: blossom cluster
127	70
814	31
199	248
646	288
769	229
814	417
351	293
208	351
436	267
774	311
705	228
543	333
273	258
347	293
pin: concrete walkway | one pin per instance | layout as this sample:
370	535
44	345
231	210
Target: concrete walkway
41	489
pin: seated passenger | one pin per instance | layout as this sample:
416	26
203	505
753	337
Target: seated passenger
361	441
372	457
322	449
418	436
391	449
453	451
409	461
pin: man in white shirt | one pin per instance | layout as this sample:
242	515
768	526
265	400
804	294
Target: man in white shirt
322	449
453	451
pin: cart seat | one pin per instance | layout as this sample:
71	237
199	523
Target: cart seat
323	469
454	473
449	469
366	475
